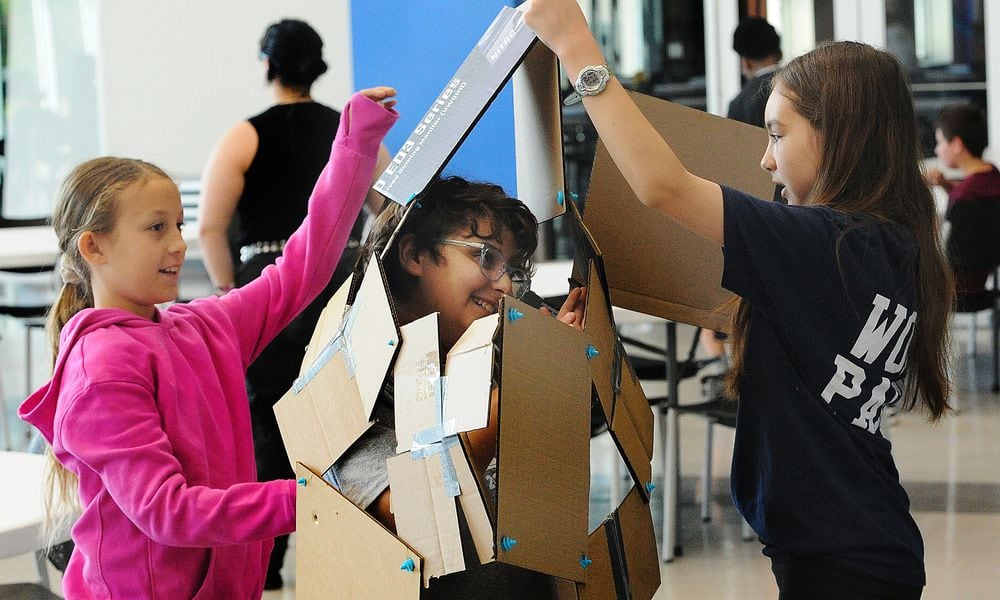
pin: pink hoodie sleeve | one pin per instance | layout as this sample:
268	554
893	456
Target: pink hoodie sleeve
135	463
263	307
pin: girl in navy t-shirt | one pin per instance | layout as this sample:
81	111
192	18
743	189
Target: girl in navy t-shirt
845	300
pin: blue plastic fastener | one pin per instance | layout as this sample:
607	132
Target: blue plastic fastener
408	565
585	561
302	481
591	352
574	195
392	342
650	486
410	199
560	197
506	543
513	314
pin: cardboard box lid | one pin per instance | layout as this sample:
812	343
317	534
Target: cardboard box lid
544	452
326	565
654	265
464	99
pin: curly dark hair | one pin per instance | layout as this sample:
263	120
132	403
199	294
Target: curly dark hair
448	205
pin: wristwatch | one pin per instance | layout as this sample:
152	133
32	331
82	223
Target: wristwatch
590	82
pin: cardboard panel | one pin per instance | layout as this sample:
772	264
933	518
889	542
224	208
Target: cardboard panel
458	107
470	370
320	422
544	452
418	365
632	428
600	326
326	566
328	324
473	506
538	134
374	336
426	517
600	583
636	526
654	265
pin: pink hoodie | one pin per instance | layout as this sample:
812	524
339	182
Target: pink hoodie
152	415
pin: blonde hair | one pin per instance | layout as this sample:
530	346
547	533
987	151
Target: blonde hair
87	201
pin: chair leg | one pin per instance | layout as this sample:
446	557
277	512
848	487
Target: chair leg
706	475
746	532
973	328
995	326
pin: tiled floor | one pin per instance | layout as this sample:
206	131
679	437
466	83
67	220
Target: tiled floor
951	471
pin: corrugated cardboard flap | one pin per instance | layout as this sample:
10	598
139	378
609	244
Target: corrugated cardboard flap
632	427
470	370
329	565
418	366
654	265
544	453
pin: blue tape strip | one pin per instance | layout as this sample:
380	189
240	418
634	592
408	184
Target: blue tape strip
341	342
439	439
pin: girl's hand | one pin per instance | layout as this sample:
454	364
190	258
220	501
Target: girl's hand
573	308
560	24
381	94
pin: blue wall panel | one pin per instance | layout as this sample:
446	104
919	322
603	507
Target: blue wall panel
416	46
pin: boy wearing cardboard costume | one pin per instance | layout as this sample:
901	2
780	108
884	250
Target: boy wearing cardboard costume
463	248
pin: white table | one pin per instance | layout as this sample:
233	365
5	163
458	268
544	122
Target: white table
21	496
23	247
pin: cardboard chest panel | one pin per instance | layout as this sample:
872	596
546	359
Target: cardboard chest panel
381	566
330	405
654	265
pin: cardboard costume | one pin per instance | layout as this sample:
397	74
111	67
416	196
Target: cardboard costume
530	507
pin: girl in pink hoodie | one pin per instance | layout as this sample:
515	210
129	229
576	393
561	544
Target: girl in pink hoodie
146	411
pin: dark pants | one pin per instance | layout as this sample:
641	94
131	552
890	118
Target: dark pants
818	578
272	374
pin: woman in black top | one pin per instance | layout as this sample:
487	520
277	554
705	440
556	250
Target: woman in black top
255	189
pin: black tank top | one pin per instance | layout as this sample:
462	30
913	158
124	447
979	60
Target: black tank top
294	146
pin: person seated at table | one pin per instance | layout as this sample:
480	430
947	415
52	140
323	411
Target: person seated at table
960	132
464	247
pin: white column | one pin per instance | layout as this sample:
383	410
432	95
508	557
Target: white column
722	64
991	18
860	21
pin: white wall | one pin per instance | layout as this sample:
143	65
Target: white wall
173	76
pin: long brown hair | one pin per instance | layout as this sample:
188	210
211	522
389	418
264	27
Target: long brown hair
87	201
857	99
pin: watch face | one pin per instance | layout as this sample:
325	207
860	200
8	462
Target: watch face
590	79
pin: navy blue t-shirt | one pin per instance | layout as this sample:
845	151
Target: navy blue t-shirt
833	299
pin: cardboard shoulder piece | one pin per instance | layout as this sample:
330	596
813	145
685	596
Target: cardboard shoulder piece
622	549
507	45
330	404
624	404
654	265
381	566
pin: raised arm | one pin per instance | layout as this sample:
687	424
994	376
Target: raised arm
649	165
222	185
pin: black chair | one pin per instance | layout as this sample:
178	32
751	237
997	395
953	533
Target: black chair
973	244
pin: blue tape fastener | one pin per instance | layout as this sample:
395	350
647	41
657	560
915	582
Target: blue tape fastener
341	342
439	439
